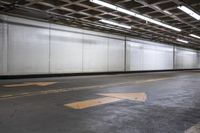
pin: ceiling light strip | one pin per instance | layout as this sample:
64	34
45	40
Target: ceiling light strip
180	40
195	36
114	23
99	2
189	12
169	13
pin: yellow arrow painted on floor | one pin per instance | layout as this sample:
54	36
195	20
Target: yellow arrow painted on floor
92	102
141	97
110	98
30	84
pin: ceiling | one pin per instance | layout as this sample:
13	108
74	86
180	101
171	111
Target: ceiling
84	14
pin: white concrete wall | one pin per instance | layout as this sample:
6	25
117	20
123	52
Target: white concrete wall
95	56
186	59
28	50
116	55
32	47
41	48
143	55
198	59
1	47
65	52
79	52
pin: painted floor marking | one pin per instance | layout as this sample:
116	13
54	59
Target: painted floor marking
30	84
91	102
141	97
9	96
110	98
194	129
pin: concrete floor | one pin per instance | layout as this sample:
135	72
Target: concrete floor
172	104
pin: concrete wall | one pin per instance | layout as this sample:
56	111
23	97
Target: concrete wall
28	50
41	48
186	58
1	47
84	51
32	47
198	59
66	50
143	55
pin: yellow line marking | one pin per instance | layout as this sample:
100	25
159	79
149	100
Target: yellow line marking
110	98
31	84
91	103
6	96
18	85
128	96
194	129
152	80
79	88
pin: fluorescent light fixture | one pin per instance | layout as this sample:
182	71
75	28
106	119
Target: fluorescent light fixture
104	4
195	36
114	23
180	40
99	2
165	11
135	45
190	12
157	7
